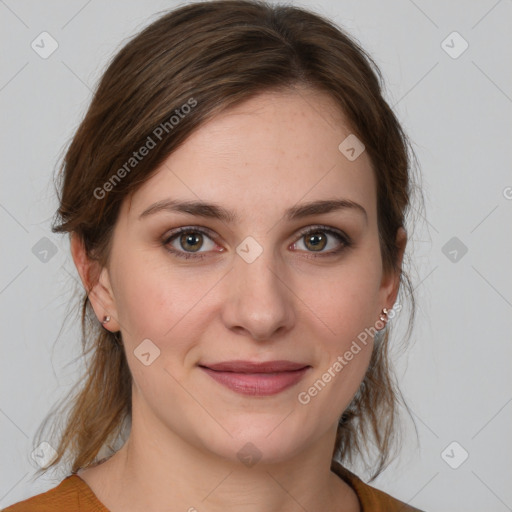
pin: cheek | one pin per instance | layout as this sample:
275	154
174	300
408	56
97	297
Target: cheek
344	306
153	299
345	300
344	351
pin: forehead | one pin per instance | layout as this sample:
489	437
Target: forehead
264	155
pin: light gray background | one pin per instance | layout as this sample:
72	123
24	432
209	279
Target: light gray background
456	375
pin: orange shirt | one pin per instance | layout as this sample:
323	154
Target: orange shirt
74	495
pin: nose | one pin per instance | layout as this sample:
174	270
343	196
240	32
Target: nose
259	299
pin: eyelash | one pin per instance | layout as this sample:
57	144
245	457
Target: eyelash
339	235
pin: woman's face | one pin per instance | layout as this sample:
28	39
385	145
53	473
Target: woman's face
246	283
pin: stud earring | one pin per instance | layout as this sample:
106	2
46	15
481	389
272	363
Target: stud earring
106	319
384	315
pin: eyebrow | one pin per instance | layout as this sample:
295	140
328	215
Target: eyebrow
215	211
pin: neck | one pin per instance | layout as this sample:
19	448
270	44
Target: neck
156	466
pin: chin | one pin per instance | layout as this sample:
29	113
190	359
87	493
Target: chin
271	441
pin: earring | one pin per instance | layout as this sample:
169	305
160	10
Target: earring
106	320
383	318
384	315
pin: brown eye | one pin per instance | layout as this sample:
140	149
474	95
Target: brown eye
315	241
191	241
322	240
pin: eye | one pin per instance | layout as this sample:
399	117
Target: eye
316	239
186	241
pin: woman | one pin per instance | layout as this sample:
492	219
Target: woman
236	199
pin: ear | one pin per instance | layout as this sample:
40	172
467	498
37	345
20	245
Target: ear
96	282
390	283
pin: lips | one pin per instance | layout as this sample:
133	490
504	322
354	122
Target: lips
254	367
256	378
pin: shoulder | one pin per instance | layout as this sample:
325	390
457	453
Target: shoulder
371	499
70	495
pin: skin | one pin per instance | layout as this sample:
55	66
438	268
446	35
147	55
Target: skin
257	159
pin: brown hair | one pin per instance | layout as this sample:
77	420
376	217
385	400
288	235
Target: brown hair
210	56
